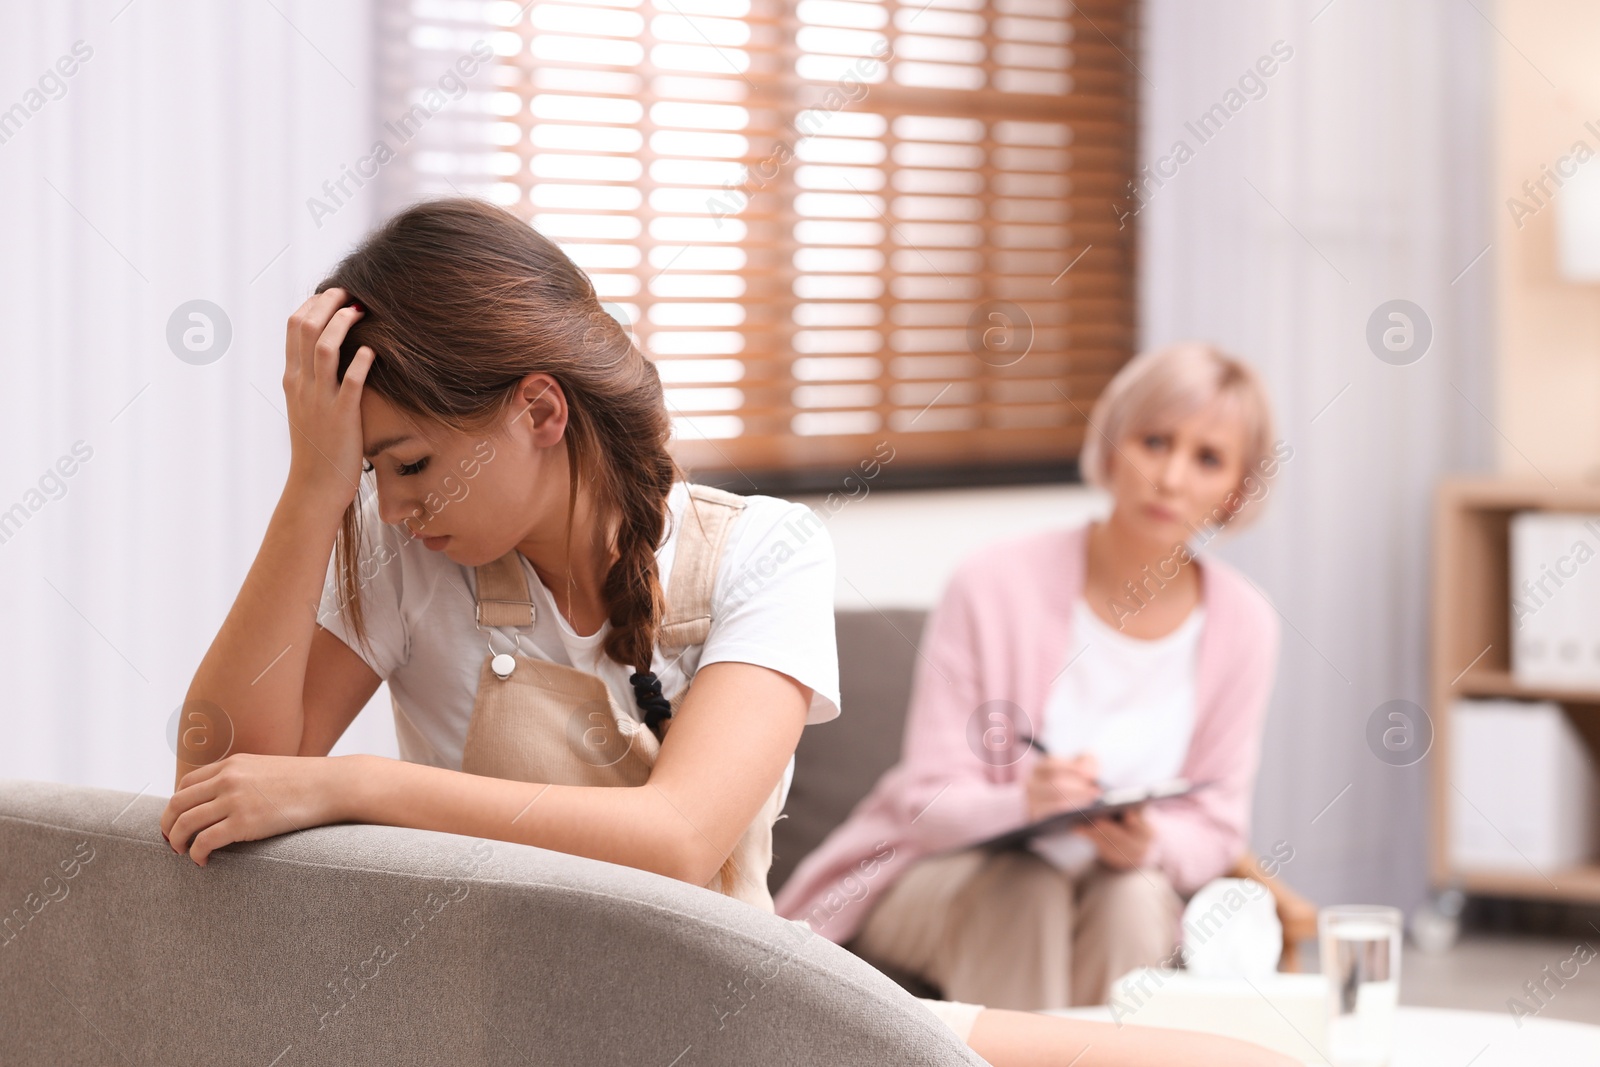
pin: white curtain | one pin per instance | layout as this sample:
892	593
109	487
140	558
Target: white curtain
1356	173
173	164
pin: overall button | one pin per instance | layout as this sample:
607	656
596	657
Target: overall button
502	665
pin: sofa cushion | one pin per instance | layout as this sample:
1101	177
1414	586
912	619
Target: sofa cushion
838	762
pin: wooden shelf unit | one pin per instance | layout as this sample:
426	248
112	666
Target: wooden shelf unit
1471	657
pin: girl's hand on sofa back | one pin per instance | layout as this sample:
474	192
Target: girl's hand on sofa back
248	796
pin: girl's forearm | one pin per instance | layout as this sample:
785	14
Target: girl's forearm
634	826
1033	1039
255	669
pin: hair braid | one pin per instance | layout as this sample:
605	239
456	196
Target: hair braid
633	585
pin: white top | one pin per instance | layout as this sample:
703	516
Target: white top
772	605
1128	700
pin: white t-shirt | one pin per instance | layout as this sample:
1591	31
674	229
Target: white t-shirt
1128	700
772	605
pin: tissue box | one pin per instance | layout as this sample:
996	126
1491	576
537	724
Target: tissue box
1287	1013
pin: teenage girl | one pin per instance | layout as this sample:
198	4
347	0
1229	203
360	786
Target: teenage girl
516	434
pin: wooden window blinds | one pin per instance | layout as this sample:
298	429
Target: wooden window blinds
830	223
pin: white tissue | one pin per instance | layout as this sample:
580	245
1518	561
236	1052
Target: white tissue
1231	930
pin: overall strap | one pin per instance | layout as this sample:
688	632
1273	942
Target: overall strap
708	519
503	597
502	593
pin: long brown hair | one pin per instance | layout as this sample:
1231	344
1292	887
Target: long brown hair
464	300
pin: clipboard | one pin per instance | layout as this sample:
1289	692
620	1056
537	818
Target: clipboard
1111	802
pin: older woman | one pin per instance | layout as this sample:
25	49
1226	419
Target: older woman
1057	665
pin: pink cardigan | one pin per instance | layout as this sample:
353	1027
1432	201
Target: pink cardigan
1001	632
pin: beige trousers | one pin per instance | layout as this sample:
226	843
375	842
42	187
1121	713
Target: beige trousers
1010	930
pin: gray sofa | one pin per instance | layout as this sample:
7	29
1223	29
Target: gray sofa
355	944
837	763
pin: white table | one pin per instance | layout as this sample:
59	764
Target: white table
1436	1037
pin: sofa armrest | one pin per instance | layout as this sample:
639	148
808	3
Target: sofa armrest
372	944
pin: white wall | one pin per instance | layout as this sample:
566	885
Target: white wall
1547	101
896	549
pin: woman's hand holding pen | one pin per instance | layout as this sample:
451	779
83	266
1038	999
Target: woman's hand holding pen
1061	783
1122	840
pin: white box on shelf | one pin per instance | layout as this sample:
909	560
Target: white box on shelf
1523	787
1555	599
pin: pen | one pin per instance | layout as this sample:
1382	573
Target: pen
1034	742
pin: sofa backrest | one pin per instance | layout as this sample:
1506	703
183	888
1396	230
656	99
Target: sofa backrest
837	763
373	944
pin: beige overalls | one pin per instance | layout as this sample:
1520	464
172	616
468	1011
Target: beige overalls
537	721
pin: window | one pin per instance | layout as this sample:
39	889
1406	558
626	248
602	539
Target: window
831	223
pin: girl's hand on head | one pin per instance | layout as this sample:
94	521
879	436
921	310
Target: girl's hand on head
1059	783
324	413
248	796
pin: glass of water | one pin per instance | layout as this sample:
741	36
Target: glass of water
1360	948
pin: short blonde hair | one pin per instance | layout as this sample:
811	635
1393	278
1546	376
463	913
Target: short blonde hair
1158	387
